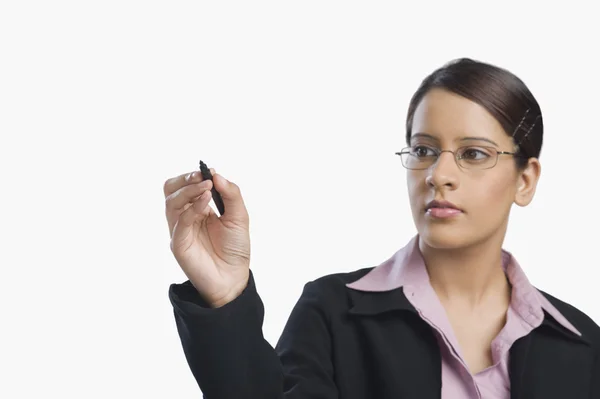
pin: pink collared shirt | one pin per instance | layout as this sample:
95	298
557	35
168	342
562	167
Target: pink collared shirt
406	268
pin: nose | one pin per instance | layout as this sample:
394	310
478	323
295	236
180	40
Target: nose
444	173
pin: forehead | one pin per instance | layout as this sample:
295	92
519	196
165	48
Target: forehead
450	117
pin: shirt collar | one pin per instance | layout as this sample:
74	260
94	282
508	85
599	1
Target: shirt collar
406	267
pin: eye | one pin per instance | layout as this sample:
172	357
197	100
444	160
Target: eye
475	154
422	151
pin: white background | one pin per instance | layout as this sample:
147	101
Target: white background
300	103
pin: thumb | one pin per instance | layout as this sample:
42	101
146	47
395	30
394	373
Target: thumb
232	198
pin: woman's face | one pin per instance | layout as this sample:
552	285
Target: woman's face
447	121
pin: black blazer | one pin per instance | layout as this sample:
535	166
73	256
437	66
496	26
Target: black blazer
344	344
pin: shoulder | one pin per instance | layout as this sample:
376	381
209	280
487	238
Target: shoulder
330	290
340	280
588	327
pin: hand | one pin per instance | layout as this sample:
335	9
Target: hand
213	251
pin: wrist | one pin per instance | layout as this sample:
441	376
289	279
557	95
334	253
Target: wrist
233	294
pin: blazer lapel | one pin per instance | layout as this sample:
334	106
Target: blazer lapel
401	345
517	365
551	362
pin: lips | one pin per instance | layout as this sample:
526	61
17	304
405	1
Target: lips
441	204
442	209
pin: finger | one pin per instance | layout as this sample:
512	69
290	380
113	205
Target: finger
232	199
198	211
186	195
186	206
179	227
175	183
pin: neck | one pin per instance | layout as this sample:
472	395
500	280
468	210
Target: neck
471	277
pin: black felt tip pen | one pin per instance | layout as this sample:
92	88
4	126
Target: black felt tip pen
206	175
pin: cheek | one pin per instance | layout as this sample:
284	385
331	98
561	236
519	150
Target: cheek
492	198
417	191
415	184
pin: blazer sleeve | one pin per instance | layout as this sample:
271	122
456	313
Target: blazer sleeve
230	358
596	377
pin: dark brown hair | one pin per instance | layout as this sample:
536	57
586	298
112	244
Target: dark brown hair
499	91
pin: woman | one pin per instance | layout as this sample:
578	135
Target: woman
450	315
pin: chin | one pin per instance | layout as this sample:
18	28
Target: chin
443	236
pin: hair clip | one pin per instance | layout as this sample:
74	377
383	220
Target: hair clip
520	123
530	129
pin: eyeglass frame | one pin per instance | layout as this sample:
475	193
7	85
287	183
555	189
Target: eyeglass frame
456	157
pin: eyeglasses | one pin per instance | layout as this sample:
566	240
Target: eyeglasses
470	157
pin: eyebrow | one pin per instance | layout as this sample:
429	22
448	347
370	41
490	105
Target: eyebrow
469	138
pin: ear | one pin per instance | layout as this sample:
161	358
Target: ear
527	180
